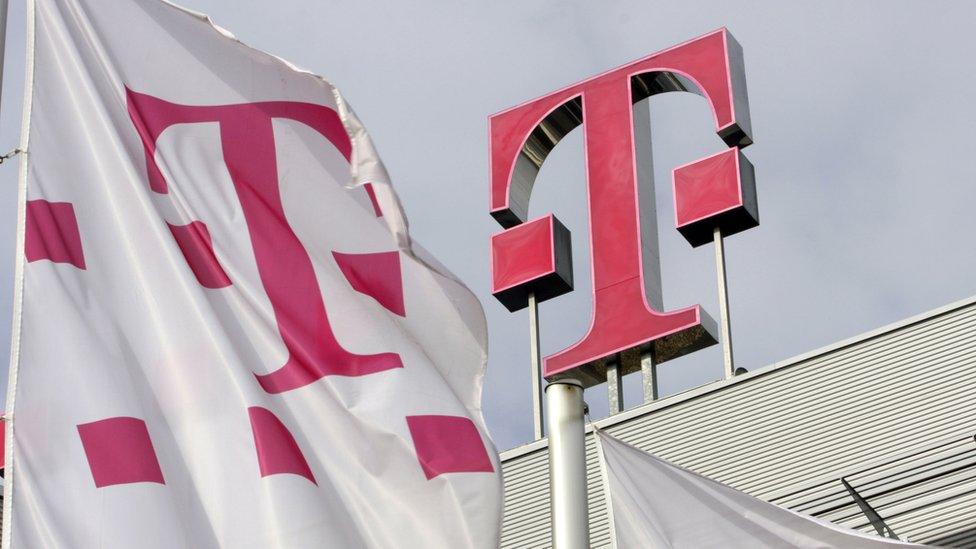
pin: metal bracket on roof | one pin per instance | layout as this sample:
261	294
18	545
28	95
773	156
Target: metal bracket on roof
879	524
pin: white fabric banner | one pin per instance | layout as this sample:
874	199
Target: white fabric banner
224	336
655	504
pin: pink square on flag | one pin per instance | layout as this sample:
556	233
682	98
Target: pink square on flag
278	452
448	444
376	275
120	452
371	193
51	232
197	247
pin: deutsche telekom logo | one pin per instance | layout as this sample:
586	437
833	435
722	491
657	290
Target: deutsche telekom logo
119	449
248	144
533	256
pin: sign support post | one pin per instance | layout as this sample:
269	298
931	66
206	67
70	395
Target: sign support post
536	364
615	387
723	303
649	374
567	464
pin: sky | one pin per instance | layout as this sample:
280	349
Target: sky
862	115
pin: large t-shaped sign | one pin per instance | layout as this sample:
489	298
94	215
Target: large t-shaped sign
530	257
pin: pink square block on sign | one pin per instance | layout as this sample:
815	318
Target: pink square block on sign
531	258
718	191
119	451
448	444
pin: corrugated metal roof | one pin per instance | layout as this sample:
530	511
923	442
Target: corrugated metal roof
893	412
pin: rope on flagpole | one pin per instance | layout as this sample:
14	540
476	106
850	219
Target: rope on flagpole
10	155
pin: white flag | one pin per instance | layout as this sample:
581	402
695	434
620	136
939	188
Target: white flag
655	504
224	336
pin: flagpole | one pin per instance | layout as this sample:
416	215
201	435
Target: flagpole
3	41
16	313
567	464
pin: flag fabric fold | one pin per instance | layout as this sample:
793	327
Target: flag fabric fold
655	504
224	336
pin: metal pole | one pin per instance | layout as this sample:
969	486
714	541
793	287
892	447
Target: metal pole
723	303
537	420
615	388
3	39
649	373
567	465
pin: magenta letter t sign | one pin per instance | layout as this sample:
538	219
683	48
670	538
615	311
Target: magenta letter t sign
521	139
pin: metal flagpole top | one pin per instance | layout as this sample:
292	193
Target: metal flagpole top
567	464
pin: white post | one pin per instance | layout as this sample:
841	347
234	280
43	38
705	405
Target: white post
615	387
567	465
723	303
536	363
649	373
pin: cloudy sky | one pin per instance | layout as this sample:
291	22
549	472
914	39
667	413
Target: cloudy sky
863	115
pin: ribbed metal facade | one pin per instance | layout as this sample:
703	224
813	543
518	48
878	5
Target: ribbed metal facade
893	412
